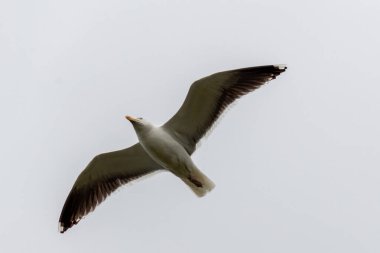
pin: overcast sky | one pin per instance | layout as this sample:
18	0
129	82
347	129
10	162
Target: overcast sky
296	163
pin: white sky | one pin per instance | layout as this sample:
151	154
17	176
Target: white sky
296	164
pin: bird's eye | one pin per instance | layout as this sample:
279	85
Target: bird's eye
139	118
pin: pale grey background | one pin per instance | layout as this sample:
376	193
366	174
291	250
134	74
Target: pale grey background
296	164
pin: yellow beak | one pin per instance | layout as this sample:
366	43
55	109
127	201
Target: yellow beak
130	118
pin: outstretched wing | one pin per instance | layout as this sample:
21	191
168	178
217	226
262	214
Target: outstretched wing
103	175
209	96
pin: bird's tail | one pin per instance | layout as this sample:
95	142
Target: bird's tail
198	182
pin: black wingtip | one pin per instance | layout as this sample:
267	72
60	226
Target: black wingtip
281	66
62	228
269	71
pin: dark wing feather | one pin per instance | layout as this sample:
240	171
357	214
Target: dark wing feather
103	175
210	96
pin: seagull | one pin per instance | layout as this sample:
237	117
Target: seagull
168	147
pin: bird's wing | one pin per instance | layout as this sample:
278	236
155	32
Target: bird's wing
103	175
209	96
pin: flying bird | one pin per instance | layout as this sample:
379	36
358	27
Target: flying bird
168	147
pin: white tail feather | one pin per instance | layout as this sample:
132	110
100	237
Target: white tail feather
199	183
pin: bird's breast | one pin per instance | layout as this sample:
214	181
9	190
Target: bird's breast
165	150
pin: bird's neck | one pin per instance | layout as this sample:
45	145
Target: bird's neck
143	131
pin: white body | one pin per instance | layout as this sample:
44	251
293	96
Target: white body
171	155
166	151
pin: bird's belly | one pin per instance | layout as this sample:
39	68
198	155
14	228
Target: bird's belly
166	152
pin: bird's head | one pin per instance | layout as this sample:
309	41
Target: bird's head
139	124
